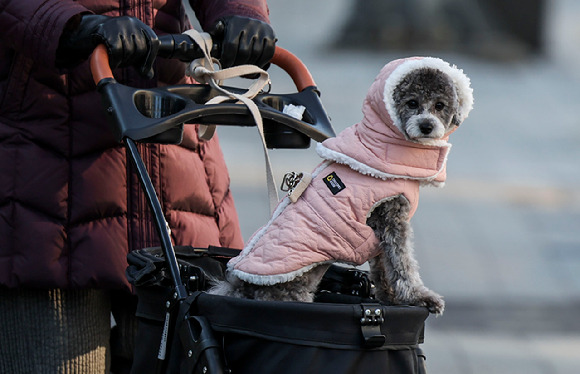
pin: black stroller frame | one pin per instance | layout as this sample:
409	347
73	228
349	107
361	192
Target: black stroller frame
188	342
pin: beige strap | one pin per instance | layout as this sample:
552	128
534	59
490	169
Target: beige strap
203	70
300	187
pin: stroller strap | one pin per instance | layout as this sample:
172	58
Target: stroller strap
202	70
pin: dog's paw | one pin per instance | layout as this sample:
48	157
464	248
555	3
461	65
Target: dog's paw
435	305
420	296
432	300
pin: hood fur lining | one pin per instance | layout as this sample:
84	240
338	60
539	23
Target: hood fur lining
461	81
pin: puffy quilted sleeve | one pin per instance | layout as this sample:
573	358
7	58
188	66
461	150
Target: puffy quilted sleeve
34	27
209	11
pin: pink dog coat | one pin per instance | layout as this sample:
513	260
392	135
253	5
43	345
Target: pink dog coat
366	165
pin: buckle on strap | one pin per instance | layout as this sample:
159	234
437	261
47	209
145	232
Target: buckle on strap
371	319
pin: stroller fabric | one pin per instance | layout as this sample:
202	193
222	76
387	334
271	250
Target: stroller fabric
264	336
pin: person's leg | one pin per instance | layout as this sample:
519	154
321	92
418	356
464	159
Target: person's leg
54	331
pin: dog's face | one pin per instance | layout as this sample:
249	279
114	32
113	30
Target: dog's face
426	104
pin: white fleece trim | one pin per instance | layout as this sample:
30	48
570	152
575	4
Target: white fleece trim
269	280
341	158
461	81
436	184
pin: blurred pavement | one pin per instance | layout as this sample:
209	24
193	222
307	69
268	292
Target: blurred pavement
501	241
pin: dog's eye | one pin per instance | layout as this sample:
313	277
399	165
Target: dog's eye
439	106
412	104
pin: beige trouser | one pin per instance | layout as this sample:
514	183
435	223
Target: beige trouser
55	331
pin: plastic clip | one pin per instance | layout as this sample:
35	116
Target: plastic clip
371	319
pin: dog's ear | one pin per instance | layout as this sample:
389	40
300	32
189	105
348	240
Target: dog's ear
456	120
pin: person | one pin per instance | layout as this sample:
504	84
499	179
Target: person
71	207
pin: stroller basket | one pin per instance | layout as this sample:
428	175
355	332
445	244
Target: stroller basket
263	336
270	337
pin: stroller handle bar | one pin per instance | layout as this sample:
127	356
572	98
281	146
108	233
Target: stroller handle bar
294	67
144	114
299	73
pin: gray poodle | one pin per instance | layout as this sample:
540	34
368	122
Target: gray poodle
357	204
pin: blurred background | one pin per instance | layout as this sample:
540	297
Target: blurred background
501	241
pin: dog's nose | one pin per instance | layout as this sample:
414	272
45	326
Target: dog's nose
426	128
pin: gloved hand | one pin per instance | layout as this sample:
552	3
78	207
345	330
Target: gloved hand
244	41
129	42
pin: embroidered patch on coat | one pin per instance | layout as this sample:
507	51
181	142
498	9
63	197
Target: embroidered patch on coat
334	183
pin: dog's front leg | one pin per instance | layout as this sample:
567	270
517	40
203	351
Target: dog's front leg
395	271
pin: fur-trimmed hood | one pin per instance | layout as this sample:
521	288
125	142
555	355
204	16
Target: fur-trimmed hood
378	145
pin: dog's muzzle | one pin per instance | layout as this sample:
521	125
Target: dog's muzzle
424	126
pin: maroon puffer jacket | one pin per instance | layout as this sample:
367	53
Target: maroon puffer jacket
70	206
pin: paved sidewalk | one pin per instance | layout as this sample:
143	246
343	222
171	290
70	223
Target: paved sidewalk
501	241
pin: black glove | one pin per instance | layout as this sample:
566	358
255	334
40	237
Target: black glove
129	42
244	40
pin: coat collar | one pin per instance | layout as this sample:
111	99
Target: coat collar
385	157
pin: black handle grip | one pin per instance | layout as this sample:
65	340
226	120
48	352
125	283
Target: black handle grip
182	47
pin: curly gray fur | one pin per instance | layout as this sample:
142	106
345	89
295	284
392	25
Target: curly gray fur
395	271
426	104
300	289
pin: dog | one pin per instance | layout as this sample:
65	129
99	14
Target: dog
357	204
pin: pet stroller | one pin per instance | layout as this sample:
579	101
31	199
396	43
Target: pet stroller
181	328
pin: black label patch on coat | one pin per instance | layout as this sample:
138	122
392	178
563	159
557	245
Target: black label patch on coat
334	183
